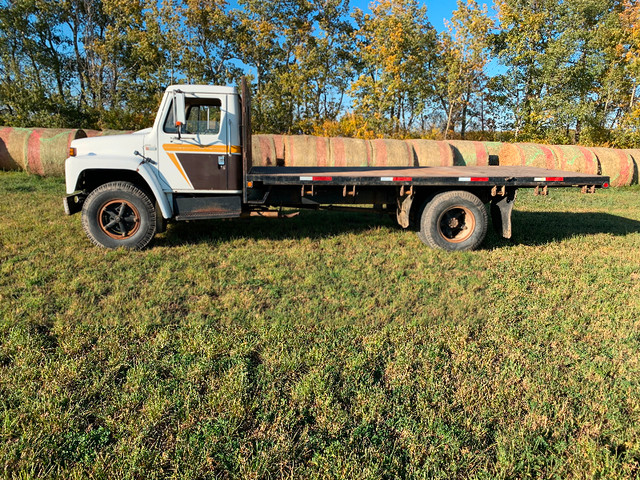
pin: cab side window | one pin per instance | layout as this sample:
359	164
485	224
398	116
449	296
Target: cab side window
203	117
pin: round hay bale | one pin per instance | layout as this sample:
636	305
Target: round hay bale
469	153
13	147
493	147
391	153
494	152
635	156
573	158
278	141
263	151
349	152
528	154
510	155
48	148
306	151
431	153
616	164
4	156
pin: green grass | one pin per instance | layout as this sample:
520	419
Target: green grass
325	346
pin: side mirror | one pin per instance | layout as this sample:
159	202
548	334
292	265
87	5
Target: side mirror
179	110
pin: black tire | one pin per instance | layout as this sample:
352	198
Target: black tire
119	214
454	221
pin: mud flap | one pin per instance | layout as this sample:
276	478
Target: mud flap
501	208
402	213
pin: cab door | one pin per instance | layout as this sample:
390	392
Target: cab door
196	159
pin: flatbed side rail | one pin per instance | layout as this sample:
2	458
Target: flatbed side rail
398	178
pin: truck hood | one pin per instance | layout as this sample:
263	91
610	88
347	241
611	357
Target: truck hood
111	145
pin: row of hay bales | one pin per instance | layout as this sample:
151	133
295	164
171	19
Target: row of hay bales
304	150
620	165
301	150
41	151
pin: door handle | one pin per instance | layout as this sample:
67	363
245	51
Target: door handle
220	161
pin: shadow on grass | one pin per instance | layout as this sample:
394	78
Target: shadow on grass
530	228
539	228
309	224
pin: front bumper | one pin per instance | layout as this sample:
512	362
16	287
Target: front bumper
73	203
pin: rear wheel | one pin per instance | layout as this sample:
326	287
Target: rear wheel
119	214
454	220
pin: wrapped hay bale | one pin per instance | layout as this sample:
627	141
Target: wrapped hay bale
48	149
391	153
13	147
278	141
349	152
431	153
493	147
616	164
528	154
37	150
574	158
635	157
306	151
510	155
469	153
494	152
263	151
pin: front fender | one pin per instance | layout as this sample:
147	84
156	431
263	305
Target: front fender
75	166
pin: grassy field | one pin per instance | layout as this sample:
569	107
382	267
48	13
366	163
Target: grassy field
325	346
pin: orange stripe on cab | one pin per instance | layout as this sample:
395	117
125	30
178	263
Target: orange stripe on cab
175	161
168	147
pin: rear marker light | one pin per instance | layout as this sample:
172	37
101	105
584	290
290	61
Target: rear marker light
316	179
396	179
548	179
606	185
473	179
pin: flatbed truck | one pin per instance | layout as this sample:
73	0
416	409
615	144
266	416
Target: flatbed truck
195	163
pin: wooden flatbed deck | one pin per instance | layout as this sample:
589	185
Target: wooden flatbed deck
432	176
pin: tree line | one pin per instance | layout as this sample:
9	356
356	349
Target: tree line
560	71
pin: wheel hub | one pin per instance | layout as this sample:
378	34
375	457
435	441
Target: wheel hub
119	219
456	224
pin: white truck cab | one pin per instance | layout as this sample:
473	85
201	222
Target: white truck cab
193	148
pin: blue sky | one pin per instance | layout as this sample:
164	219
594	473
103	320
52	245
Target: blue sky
437	10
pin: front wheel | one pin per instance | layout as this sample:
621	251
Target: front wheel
119	214
454	220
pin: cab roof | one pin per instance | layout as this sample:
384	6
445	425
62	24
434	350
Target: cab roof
215	89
